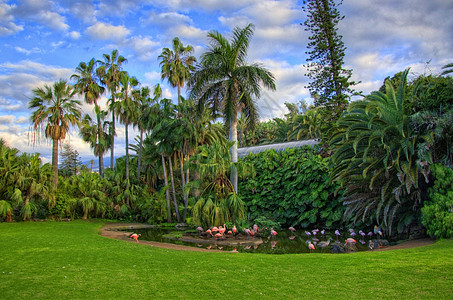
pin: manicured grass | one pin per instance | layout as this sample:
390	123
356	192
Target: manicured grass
53	260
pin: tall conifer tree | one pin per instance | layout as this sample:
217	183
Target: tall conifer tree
330	82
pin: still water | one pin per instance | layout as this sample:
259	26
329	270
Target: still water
285	242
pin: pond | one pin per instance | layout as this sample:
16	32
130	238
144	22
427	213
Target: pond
285	242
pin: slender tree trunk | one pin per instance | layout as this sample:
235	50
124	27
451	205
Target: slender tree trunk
186	195
183	183
139	163
112	152
127	160
101	154
55	161
234	152
175	203
167	192
85	214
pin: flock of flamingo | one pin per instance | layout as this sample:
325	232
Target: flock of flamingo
221	232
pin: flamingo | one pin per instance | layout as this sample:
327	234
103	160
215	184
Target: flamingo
135	236
215	229
222	229
230	232
350	241
209	231
292	237
324	244
200	230
273	244
311	247
218	235
337	233
255	228
292	229
234	229
247	231
273	232
377	231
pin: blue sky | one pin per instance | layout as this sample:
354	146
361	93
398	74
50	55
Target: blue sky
43	41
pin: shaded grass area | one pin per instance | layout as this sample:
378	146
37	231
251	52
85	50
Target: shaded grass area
53	260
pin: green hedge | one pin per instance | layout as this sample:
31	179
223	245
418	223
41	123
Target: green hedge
292	187
437	213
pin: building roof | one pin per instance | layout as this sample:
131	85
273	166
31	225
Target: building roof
277	147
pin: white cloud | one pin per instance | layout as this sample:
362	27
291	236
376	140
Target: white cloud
103	31
164	19
144	47
7	25
28	52
42	12
75	35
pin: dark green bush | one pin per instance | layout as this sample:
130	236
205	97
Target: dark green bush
437	213
292	188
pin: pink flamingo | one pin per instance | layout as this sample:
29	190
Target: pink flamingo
135	237
350	241
235	229
292	229
292	237
215	229
273	232
311	247
273	244
255	228
209	231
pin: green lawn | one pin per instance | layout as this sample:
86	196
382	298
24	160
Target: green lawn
53	260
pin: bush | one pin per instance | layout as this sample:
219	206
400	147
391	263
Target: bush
292	187
437	213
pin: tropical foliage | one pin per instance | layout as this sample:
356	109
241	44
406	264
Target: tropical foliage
292	188
437	213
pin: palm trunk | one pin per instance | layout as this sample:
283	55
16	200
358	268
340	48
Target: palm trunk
167	192
112	152
234	152
55	161
175	203
186	195
139	163
101	154
183	183
127	161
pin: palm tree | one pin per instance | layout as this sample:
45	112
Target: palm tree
127	110
375	157
448	69
226	82
89	131
177	63
88	84
110	71
55	111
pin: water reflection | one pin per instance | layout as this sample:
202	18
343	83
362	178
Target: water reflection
285	242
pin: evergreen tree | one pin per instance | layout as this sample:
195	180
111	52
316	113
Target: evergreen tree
326	51
71	160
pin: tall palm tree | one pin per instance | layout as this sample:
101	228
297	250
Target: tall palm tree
109	71
55	111
448	69
176	64
226	82
88	85
127	110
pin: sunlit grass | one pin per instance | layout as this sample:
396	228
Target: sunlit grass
54	260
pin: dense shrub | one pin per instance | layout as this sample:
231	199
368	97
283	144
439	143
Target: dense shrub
437	214
292	188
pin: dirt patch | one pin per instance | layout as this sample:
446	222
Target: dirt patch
408	244
112	230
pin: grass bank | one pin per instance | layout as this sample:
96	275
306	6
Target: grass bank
53	260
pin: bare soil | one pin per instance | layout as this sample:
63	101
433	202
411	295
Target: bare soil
112	230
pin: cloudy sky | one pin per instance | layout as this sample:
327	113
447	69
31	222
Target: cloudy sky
43	41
